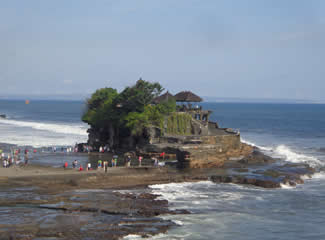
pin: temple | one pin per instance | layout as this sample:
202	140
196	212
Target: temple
192	137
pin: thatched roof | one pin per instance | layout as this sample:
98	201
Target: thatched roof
164	97
187	96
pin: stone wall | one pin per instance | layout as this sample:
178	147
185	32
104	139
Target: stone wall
227	141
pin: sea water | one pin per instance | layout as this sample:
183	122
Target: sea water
291	132
42	123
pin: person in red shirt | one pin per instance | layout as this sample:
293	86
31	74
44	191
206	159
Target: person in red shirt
140	161
65	165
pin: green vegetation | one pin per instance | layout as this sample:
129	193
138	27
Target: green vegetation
129	111
178	123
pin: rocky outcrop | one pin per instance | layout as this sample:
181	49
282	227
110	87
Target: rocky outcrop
194	143
214	151
272	177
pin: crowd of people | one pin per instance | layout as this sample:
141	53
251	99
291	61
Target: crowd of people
18	156
15	157
114	163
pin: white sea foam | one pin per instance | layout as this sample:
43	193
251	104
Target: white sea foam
200	194
158	236
174	191
178	222
288	154
132	236
42	141
319	175
291	156
39	134
76	129
286	186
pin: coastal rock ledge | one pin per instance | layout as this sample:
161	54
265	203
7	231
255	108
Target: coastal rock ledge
271	177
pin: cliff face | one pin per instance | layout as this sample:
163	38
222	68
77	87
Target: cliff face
200	151
176	124
227	148
110	137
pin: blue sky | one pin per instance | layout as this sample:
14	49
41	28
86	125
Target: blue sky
231	48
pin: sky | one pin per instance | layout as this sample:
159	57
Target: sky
272	49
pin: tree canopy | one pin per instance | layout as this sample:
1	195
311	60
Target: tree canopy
129	110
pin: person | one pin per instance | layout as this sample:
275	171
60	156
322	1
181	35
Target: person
89	166
128	161
140	161
9	162
114	160
105	165
26	156
74	163
100	149
4	163
81	168
106	148
18	160
99	164
155	161
0	154
65	165
26	159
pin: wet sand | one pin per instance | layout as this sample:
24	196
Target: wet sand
116	177
34	170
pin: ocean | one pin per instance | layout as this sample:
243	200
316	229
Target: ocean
291	132
42	123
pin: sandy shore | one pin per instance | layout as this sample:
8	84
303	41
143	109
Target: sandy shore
35	170
58	179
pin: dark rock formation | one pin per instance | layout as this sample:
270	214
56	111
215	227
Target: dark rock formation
272	177
79	214
257	158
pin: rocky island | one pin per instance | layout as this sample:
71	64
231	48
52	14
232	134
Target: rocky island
142	121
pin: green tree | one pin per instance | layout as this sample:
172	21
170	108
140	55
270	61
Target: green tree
99	107
128	112
135	98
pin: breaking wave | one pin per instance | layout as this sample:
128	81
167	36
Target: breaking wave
291	156
288	154
75	129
